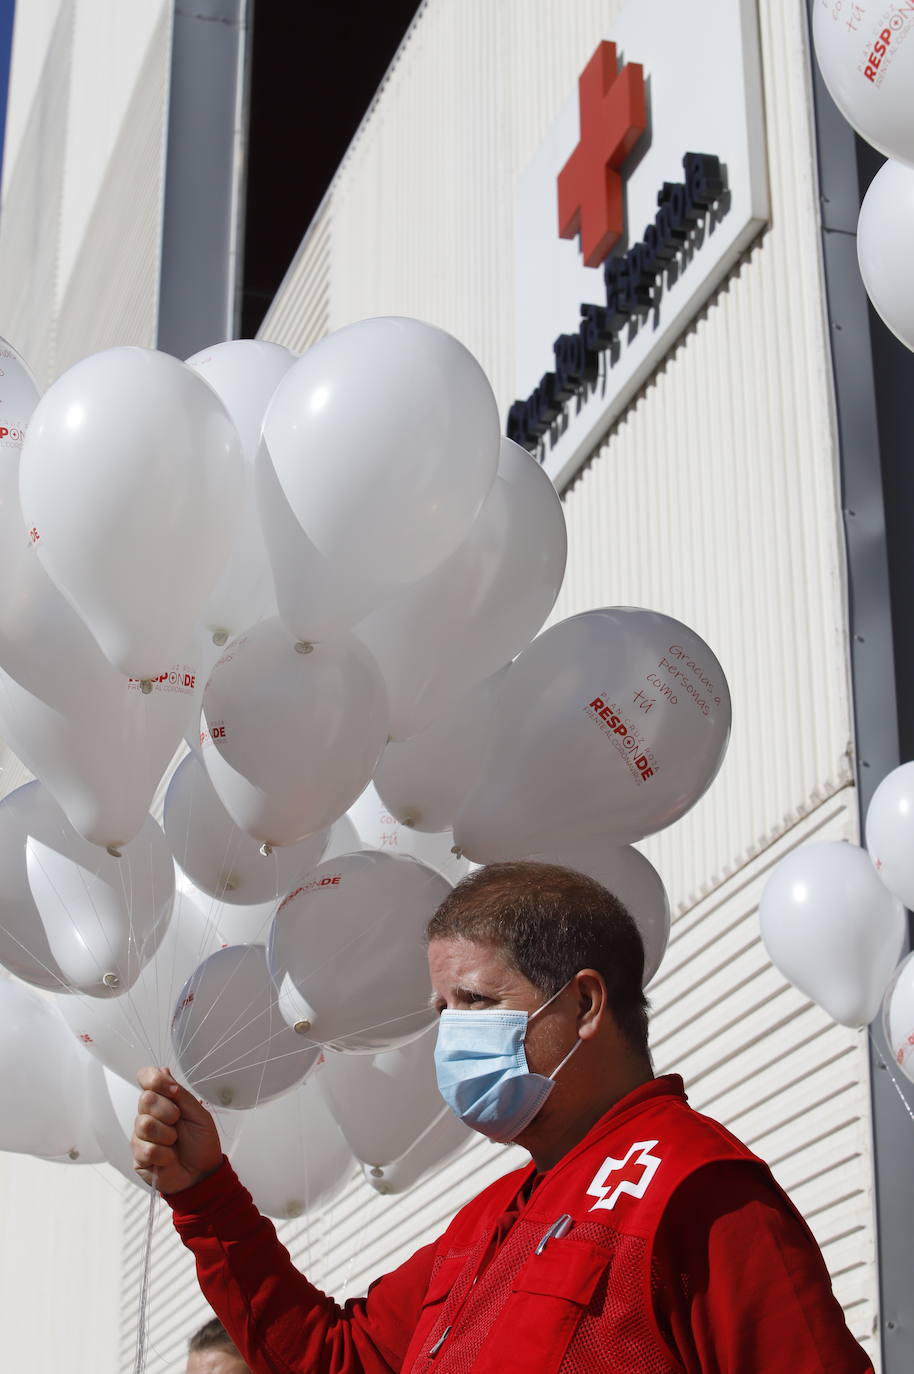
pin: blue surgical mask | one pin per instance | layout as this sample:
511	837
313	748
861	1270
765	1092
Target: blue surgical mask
482	1070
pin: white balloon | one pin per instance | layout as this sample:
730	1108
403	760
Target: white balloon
380	445
446	1137
232	1044
85	1148
244	373
382	1102
347	951
294	736
131	1030
220	859
206	654
24	947
423	781
890	832
609	726
885	230
866	55
130	483
290	1153
379	828
43	1111
233	924
634	880
19	395
832	929
69	912
98	741
113	1105
102	916
898	1017
442	635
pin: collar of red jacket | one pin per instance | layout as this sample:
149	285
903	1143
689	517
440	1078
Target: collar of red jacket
667	1086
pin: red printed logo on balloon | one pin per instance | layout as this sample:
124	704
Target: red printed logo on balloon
626	740
12	433
326	881
180	679
885	41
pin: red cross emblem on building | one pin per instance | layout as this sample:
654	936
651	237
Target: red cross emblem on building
613	116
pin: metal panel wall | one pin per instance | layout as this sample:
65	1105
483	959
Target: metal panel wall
111	292
32	200
300	315
80	232
79	243
715	500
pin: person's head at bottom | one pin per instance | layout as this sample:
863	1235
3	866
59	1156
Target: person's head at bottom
210	1351
536	971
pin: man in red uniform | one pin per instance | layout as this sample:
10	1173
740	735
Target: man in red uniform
642	1238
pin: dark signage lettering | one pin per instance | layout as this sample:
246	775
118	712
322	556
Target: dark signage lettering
630	282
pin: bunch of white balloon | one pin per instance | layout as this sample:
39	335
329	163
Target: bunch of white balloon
866	55
833	920
318	572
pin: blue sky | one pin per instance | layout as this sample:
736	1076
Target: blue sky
7	8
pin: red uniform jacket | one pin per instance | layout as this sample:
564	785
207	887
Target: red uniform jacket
658	1245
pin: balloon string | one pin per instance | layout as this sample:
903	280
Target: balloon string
184	1044
286	1054
139	1363
83	997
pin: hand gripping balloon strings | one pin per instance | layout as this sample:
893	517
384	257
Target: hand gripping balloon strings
139	1361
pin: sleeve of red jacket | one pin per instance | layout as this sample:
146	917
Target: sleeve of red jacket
279	1321
743	1285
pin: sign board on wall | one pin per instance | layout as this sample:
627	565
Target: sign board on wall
668	129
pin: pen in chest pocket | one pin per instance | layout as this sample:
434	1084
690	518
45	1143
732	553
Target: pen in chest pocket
560	1227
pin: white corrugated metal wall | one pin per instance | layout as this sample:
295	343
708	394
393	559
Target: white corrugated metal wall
79	259
715	500
727	457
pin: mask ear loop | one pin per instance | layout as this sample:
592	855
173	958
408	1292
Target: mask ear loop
547	1003
577	1044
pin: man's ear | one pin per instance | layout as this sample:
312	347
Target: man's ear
592	1002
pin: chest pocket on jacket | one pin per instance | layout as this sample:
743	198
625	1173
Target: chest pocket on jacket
549	1295
444	1284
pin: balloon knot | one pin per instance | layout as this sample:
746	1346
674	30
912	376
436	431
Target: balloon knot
304	646
455	849
220	637
145	686
113	850
111	980
266	849
302	1027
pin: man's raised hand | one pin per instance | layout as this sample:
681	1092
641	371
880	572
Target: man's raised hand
173	1134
